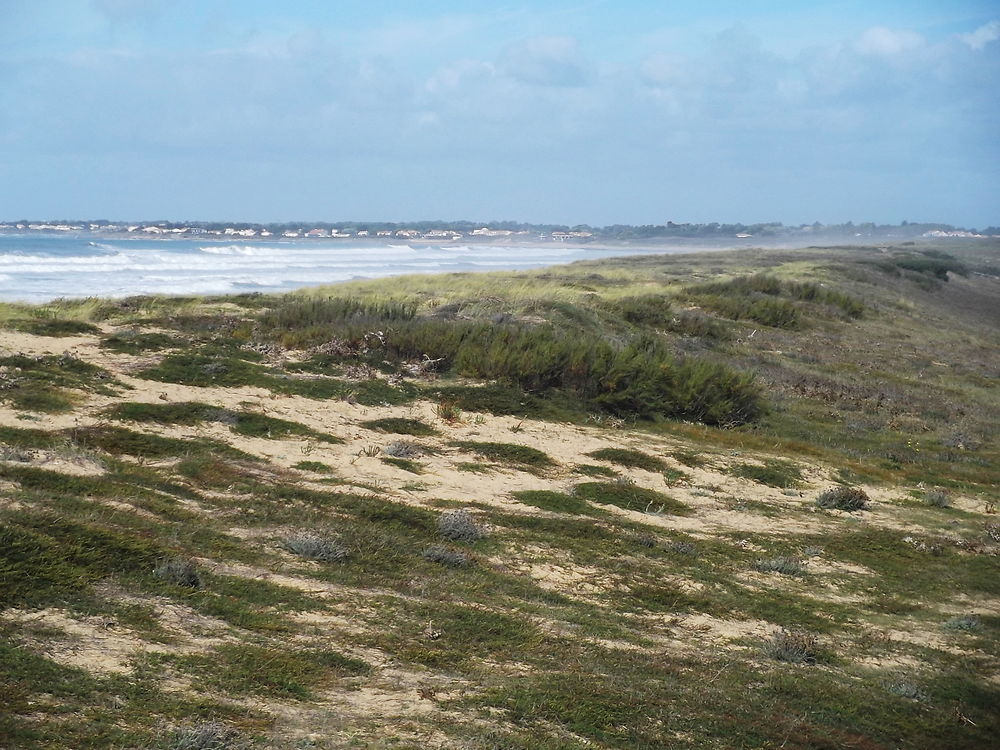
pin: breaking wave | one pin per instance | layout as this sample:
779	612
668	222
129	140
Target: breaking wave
38	269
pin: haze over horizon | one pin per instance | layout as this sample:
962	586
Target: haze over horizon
561	112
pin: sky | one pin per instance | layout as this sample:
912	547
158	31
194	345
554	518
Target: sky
553	111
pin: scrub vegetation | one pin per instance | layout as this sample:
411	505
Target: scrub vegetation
741	499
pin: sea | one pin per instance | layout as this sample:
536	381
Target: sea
38	268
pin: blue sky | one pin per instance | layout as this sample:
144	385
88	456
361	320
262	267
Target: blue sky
572	112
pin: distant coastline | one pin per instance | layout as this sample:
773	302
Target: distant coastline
500	233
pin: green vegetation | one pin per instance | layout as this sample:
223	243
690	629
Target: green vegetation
47	383
508	454
270	672
53	327
240	592
251	424
400	426
137	342
773	473
559	502
630	497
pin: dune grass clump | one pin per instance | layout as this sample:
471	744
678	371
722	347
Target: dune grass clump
402	449
908	689
53	327
963	622
850	499
406	464
208	735
558	502
44	557
792	646
519	456
630	496
47	383
400	426
315	547
787	566
773	473
315	466
137	342
459	526
629	458
444	556
179	571
937	498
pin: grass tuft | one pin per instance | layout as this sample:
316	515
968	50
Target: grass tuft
179	572
788	566
459	526
315	547
445	556
850	499
793	646
400	426
209	735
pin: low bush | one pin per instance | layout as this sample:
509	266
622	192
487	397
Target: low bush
937	498
459	526
630	497
315	547
851	499
521	456
793	646
209	735
906	688
773	473
400	426
402	449
445	556
53	327
963	622
558	502
179	571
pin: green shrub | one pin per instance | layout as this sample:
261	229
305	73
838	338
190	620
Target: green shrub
137	342
651	310
559	502
43	557
630	497
53	327
521	456
315	466
400	426
44	383
774	473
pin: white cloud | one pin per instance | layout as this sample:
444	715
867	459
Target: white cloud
883	42
988	32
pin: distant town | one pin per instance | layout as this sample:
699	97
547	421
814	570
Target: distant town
498	231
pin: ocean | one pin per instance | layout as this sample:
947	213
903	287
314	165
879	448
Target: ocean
39	268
